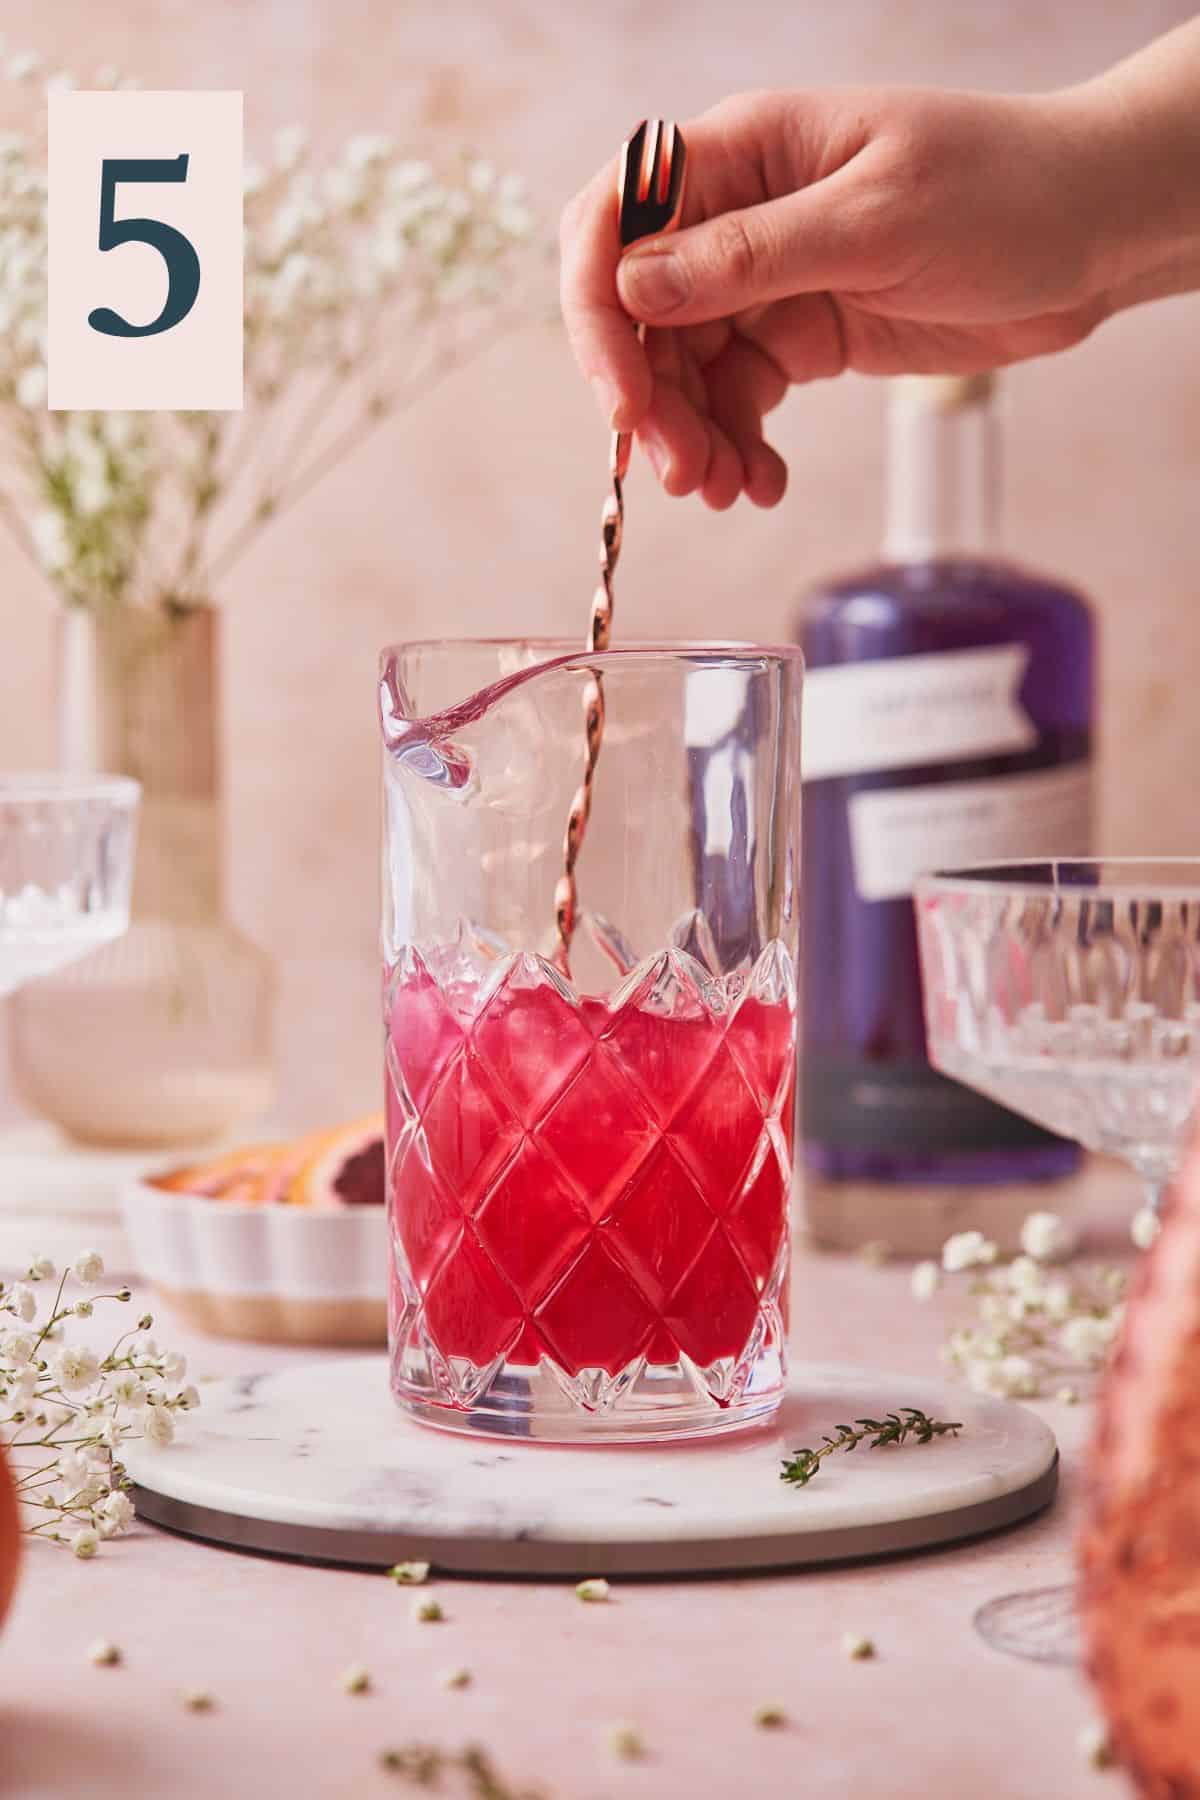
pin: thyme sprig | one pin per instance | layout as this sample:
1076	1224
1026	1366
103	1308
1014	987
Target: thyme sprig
896	1428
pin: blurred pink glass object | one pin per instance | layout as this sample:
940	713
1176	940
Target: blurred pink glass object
1140	1550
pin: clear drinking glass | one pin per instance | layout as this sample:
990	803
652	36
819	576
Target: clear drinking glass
66	869
589	1165
1070	991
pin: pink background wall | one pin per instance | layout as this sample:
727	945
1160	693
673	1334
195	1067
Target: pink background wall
479	513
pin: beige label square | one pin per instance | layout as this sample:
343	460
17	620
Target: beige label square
175	255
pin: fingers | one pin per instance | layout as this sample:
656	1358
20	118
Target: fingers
689	452
602	335
703	430
833	234
743	384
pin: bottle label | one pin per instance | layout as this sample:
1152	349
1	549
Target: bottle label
854	1104
899	833
900	712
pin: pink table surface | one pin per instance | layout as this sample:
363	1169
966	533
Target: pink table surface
937	1714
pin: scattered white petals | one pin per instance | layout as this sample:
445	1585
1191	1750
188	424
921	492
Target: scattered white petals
355	1680
967	1250
455	1678
104	1654
594	1591
427	1611
1048	1238
858	1649
1095	1746
1144	1227
625	1742
770	1717
926	1280
409	1574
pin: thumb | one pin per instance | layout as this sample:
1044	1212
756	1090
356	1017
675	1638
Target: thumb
820	237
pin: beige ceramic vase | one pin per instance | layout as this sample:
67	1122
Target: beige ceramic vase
165	1037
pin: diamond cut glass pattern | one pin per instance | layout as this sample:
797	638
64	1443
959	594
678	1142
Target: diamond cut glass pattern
589	1167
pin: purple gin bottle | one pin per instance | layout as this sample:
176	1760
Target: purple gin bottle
948	715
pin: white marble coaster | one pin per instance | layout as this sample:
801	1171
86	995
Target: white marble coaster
319	1462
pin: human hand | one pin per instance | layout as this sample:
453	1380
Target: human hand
887	231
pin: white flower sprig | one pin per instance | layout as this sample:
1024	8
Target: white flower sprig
1037	1321
65	1411
368	276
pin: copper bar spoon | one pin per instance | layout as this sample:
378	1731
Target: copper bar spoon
650	199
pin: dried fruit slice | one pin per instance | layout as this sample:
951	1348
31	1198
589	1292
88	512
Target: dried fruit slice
249	1176
342	1168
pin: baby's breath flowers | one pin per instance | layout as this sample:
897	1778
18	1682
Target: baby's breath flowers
65	1410
355	1680
858	1649
1048	1238
1039	1319
427	1611
369	274
104	1654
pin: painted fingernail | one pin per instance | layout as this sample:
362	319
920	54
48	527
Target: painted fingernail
654	282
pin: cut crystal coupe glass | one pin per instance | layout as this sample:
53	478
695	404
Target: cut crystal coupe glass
66	869
1070	991
590	1152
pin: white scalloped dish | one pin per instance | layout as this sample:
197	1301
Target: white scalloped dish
275	1257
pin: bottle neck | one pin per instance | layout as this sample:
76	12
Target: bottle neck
943	471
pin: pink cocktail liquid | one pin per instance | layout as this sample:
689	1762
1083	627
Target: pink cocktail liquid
599	1185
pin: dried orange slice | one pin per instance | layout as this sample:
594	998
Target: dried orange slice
242	1175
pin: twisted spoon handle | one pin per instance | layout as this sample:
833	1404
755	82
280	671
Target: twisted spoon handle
650	200
612	524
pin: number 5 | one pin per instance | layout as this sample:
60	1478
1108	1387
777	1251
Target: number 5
183	265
